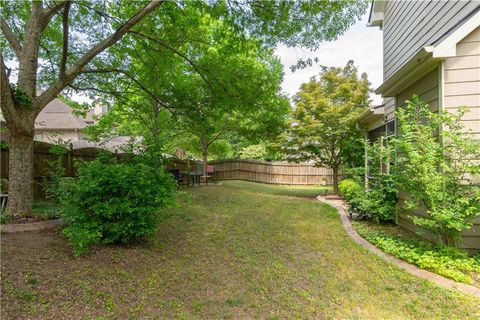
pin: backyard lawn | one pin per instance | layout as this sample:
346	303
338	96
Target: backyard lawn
237	251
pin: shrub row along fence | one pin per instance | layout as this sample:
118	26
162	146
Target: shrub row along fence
271	172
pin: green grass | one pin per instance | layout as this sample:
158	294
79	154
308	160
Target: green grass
46	209
310	191
43	210
236	251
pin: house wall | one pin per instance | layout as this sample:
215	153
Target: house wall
455	82
410	25
426	88
52	136
462	81
389	107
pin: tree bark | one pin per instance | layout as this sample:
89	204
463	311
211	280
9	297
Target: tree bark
335	180
204	158
20	192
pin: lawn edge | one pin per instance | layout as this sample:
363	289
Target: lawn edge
410	268
31	226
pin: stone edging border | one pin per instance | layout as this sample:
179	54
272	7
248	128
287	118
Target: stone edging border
410	268
32	226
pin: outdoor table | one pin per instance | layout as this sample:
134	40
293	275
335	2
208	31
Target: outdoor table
192	176
195	177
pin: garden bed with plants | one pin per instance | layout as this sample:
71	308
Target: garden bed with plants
433	175
372	213
449	262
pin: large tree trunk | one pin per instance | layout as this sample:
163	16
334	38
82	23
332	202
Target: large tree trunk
20	189
335	180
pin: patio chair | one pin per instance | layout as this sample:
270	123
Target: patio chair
178	177
3	194
210	170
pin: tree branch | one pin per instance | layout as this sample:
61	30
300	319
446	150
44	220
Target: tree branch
50	11
131	77
217	135
190	62
63	61
11	38
76	69
6	104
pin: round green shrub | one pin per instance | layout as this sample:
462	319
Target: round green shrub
349	189
112	202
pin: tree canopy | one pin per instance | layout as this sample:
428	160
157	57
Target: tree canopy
52	47
323	121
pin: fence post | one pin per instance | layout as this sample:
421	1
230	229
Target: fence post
70	172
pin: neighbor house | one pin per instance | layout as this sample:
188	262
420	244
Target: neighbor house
58	122
431	49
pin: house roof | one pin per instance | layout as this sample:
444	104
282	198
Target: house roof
57	115
89	116
371	114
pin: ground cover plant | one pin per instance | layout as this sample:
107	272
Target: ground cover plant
235	251
446	261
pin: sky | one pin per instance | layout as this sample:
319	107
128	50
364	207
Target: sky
360	43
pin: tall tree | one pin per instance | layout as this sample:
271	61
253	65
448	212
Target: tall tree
53	43
323	123
21	102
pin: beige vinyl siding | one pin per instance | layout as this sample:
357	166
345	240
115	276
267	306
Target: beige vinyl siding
462	84
462	80
461	87
410	25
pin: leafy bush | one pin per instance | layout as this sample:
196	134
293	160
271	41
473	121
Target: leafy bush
55	172
113	202
446	261
381	198
437	173
349	189
378	203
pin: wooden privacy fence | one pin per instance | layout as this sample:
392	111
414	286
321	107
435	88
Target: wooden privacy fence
271	172
250	170
43	156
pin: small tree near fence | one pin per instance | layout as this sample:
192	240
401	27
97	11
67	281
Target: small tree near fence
435	154
323	127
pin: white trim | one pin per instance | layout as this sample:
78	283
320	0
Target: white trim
441	96
448	47
376	16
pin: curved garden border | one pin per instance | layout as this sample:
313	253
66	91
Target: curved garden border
32	226
410	268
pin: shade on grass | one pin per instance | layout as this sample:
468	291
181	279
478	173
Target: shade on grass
235	251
